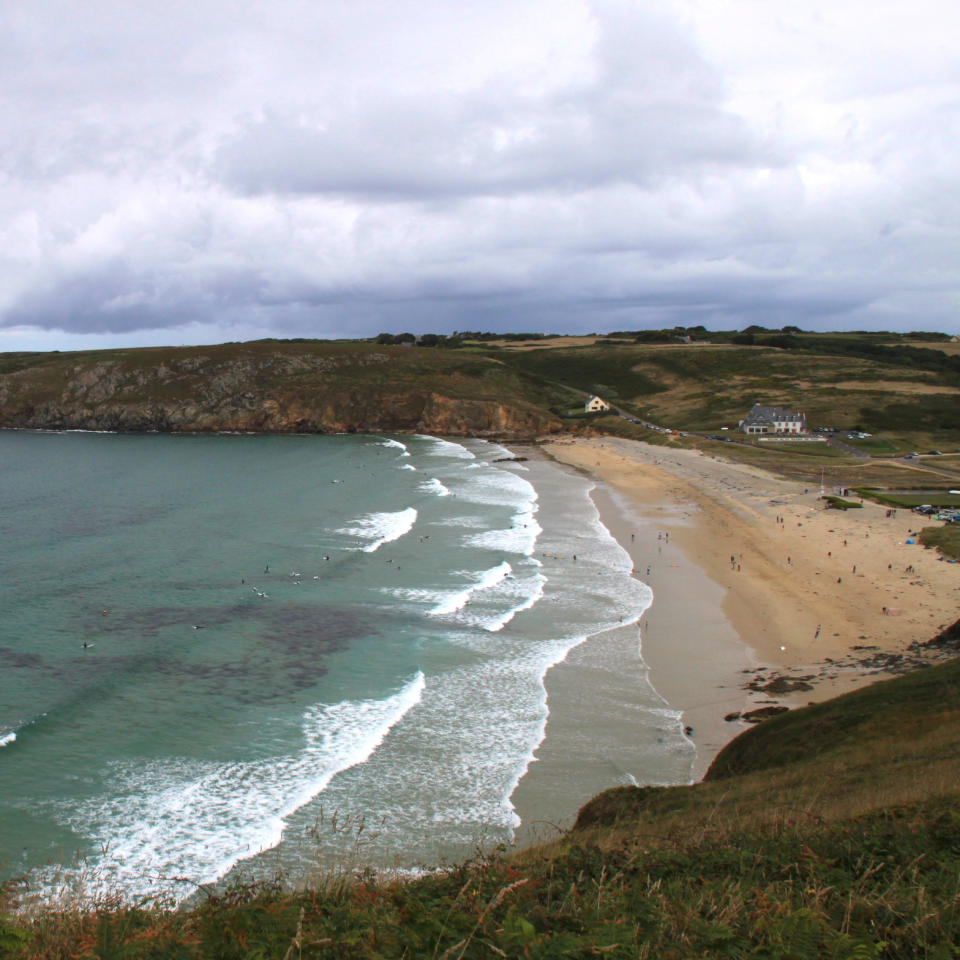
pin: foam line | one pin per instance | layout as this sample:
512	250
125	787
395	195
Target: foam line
433	485
200	819
397	444
447	448
498	623
456	601
381	528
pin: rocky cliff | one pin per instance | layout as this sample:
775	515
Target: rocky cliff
275	388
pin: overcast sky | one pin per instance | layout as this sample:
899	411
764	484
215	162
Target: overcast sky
194	171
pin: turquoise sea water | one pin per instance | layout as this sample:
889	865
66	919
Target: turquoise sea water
277	628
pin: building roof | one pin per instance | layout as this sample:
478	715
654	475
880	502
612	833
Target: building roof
759	412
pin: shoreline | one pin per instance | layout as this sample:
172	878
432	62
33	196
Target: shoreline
761	597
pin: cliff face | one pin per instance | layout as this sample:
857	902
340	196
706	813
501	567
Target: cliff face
275	392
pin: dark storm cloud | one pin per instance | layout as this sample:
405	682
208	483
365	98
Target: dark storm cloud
193	171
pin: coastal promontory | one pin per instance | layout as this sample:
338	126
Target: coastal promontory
269	387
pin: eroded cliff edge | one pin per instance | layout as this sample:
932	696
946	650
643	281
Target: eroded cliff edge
270	387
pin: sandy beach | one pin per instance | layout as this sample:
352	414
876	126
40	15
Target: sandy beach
753	580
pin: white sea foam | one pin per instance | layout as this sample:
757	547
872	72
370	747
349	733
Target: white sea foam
494	598
198	819
407	466
388	442
7	738
494	450
381	528
447	448
455	601
529	592
433	485
445	778
491	485
520	537
486	485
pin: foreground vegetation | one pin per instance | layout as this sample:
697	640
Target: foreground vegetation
830	831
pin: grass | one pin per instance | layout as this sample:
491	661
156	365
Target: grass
266	385
361	384
945	539
933	498
881	886
829	831
809	450
879	446
700	389
609	373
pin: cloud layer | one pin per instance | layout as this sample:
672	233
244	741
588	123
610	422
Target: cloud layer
197	171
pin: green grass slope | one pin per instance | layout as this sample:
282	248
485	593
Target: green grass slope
908	397
911	708
703	387
832	831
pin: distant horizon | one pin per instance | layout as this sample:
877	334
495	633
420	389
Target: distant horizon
207	173
551	334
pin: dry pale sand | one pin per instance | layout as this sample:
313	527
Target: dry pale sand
834	569
752	580
803	587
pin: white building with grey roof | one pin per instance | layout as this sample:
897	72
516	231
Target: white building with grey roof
763	419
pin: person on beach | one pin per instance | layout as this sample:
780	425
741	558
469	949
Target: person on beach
816	636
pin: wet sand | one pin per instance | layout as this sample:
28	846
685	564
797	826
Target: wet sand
751	577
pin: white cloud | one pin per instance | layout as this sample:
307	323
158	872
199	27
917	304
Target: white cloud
175	171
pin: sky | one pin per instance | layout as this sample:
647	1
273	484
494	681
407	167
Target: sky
198	171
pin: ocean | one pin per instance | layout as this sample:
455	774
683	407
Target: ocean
233	655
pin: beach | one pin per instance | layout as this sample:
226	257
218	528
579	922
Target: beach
439	635
753	580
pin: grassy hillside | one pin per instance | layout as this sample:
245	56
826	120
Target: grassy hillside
703	387
831	831
908	396
270	365
271	386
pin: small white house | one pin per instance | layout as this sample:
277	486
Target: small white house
596	405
